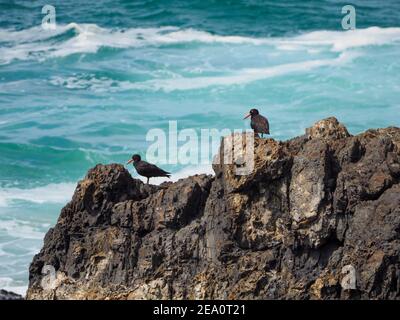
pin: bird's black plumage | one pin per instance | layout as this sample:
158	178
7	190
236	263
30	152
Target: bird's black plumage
146	169
258	123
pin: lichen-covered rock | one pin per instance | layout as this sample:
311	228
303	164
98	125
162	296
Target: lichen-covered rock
329	129
269	161
317	217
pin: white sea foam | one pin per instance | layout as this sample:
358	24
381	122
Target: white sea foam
52	193
102	84
238	77
20	229
36	43
9	284
343	40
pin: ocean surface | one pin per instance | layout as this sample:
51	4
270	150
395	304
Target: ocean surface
90	90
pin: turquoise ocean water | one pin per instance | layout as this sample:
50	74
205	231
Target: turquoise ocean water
89	91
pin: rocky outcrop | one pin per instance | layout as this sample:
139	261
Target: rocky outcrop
317	218
7	295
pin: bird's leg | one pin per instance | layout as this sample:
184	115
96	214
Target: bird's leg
262	135
148	180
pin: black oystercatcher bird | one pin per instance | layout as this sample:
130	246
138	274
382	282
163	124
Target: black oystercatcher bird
258	123
146	169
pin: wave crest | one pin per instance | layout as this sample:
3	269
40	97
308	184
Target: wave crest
88	38
52	193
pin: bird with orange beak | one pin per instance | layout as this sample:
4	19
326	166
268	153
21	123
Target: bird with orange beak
146	169
258	123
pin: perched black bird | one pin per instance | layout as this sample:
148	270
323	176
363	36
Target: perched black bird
146	169
258	123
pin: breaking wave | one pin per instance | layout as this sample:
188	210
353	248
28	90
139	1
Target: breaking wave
52	193
36	43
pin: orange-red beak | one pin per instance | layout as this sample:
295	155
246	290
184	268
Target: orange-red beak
248	115
130	161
